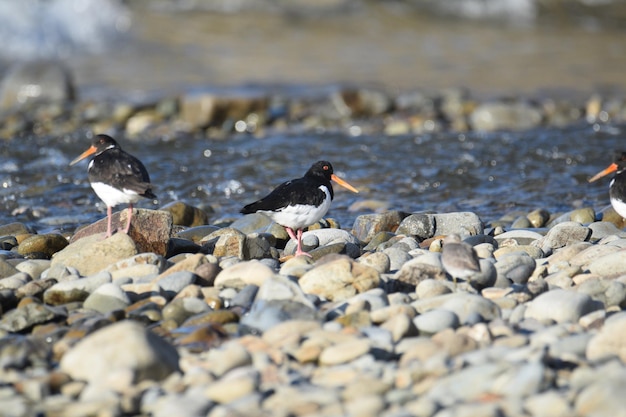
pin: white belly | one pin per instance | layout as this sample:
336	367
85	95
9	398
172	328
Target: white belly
112	196
300	216
619	206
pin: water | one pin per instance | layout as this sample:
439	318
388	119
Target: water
125	52
490	174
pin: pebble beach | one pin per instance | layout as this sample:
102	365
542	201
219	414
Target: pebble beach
486	127
222	321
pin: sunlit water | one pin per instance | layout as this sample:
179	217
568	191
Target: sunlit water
489	174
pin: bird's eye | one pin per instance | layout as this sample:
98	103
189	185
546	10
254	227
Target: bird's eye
325	168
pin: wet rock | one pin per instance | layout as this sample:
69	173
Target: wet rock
583	215
361	102
136	355
36	82
47	244
561	306
367	226
538	218
186	215
505	116
339	278
149	229
93	254
199	110
14	229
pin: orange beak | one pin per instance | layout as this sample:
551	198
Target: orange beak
611	168
92	149
343	183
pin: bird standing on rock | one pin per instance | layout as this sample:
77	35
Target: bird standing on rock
458	258
617	186
116	176
299	203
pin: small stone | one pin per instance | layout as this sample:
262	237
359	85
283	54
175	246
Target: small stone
435	320
244	273
339	278
561	306
344	352
186	215
367	226
106	298
47	244
96	360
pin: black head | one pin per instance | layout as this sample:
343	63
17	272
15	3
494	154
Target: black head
619	158
99	144
321	169
103	142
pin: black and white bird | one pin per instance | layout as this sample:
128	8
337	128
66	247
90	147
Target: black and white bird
302	202
617	186
116	176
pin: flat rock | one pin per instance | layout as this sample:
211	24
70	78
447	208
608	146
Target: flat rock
149	229
93	253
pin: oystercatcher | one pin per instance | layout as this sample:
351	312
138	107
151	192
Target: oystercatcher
617	186
299	203
458	258
116	176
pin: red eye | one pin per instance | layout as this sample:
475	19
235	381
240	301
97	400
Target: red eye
325	167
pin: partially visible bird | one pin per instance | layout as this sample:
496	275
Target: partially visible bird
458	258
299	203
116	176
617	186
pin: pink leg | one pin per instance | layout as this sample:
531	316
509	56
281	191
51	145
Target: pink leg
130	216
109	215
298	239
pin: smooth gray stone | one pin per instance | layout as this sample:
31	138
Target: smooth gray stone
561	306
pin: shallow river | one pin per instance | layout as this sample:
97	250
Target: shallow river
490	174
